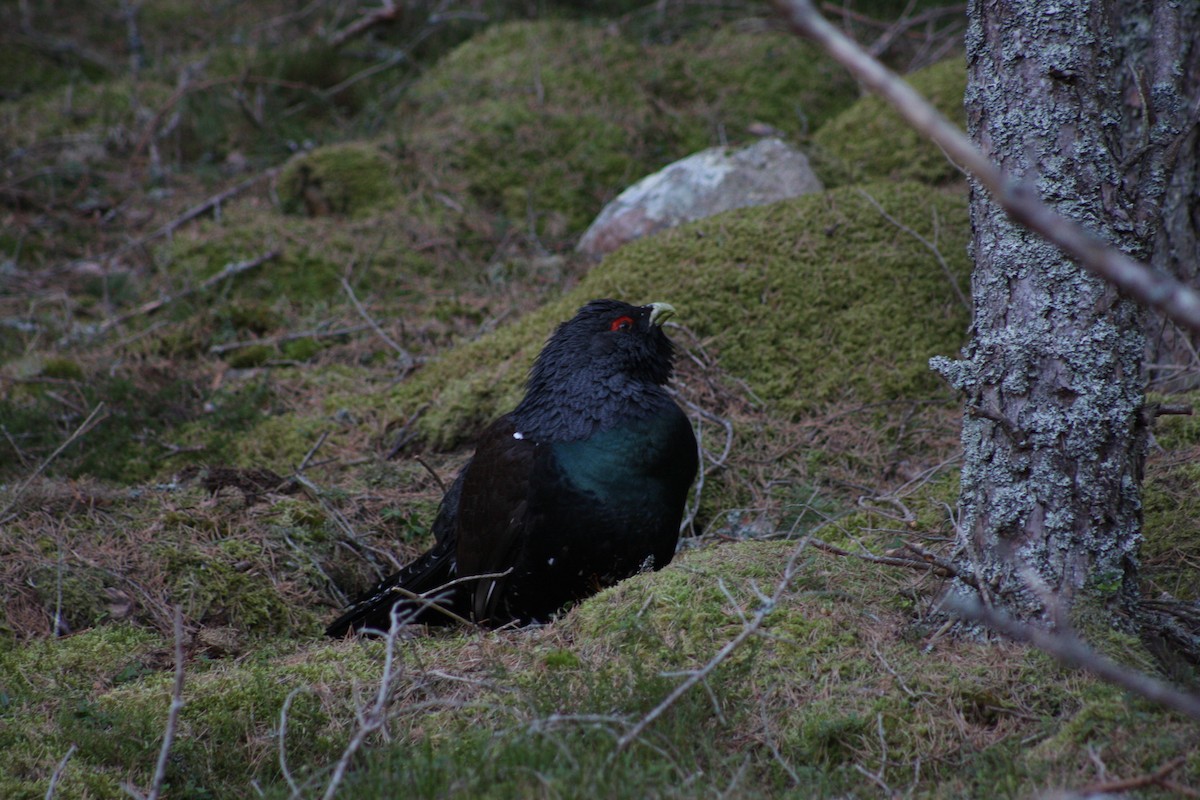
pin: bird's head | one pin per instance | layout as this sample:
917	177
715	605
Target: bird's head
609	340
606	364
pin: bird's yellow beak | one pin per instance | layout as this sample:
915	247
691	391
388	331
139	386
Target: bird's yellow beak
660	313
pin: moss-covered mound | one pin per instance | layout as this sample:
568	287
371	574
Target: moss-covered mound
546	121
809	301
348	179
870	141
830	686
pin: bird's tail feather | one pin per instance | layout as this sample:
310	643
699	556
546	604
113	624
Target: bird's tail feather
413	592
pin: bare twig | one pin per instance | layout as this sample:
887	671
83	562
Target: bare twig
388	12
314	333
15	447
85	426
201	209
1156	778
312	451
877	777
339	519
770	740
160	767
58	772
749	628
433	473
1156	289
231	270
405	357
1073	652
283	719
930	246
429	599
373	718
926	562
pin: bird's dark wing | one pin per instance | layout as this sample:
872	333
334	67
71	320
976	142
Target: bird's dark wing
428	574
493	513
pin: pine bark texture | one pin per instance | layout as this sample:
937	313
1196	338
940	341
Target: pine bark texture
1172	355
1053	433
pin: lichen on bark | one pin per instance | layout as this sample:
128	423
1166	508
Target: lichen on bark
1053	434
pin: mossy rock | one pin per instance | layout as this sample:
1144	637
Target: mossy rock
870	141
809	301
348	179
544	122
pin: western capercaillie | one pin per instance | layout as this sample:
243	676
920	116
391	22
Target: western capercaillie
580	486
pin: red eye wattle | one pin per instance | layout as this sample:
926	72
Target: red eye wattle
621	324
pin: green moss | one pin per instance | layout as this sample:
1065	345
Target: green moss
62	369
225	574
136	406
562	659
72	664
301	349
545	121
302	273
808	301
1171	507
826	687
102	111
253	356
734	75
350	179
278	442
1177	431
870	141
74	594
220	592
254	318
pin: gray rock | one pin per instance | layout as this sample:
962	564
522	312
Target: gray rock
699	186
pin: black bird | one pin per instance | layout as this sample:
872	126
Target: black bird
580	486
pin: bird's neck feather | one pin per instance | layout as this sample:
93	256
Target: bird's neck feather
565	413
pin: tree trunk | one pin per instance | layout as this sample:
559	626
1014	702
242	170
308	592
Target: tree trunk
1172	354
1053	432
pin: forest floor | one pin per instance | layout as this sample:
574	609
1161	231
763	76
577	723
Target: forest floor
265	272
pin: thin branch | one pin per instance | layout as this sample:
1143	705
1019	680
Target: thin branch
283	718
1073	652
58	772
770	740
373	718
230	271
925	562
312	451
749	628
430	599
1156	289
160	767
82	430
405	356
314	333
1156	778
937	254
388	12
436	478
202	208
